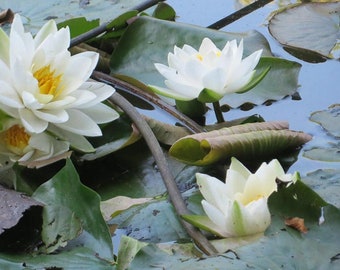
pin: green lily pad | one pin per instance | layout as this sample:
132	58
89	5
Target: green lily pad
34	16
329	152
329	119
283	246
77	258
64	195
148	41
325	182
310	26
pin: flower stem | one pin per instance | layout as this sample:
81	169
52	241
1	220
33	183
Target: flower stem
218	112
239	14
175	196
103	27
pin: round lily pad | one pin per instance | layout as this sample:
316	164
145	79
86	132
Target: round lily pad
313	27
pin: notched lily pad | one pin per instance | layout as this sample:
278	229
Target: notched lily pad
310	26
329	119
244	142
20	220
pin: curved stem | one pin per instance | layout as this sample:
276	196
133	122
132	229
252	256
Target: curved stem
127	87
103	27
239	14
218	112
174	193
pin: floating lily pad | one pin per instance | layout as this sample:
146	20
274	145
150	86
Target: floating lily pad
329	119
60	10
329	152
310	26
325	182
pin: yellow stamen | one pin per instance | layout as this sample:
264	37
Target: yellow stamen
16	139
218	53
48	82
199	57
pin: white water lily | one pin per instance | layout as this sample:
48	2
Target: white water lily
42	84
209	73
239	206
27	148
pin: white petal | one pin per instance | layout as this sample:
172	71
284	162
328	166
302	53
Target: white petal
74	76
217	217
214	191
80	123
24	80
60	104
8	96
184	90
52	116
101	91
30	101
47	29
170	93
31	122
207	46
256	216
4	47
101	113
214	80
236	165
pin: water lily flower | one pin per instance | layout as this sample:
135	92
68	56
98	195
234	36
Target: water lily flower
239	206
27	148
42	84
209	73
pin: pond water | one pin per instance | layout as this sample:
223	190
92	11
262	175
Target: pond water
319	82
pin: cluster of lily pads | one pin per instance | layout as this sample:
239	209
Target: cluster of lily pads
49	106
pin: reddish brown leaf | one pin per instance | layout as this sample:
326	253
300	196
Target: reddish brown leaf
297	223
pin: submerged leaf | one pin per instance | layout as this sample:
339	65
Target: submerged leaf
310	26
244	142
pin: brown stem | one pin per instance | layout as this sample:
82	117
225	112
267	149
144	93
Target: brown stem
127	87
174	193
239	14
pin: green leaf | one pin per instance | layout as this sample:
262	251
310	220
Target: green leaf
116	135
245	142
65	190
325	182
79	26
310	26
202	222
128	249
164	11
77	258
284	247
281	80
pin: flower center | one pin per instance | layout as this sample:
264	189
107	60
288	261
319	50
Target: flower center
48	82
16	139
